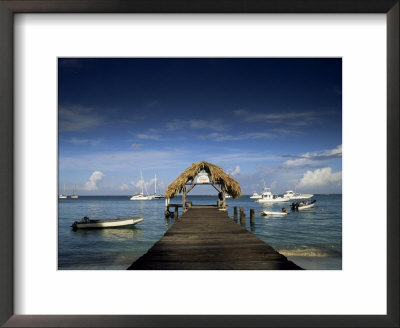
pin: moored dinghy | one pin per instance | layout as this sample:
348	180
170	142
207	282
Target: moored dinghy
303	205
277	214
86	223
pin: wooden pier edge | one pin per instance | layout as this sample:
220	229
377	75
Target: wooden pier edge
205	238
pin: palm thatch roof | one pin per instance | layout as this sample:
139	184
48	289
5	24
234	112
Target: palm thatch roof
216	174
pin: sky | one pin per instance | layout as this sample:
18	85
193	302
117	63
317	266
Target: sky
265	121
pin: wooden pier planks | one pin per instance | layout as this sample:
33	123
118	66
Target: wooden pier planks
207	239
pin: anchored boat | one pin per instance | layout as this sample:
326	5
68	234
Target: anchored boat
275	214
291	195
141	195
302	205
63	196
87	223
269	198
74	194
256	195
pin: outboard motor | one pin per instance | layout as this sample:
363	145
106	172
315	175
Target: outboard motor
75	226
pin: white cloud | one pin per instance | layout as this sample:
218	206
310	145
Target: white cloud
216	136
320	177
78	141
335	151
307	159
148	136
235	171
176	124
287	118
78	118
127	160
94	179
136	145
124	186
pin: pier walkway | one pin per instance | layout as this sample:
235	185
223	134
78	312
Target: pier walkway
205	238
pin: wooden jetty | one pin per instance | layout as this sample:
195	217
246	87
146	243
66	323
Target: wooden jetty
205	238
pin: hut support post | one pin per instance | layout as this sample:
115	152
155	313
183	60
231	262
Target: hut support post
191	186
184	200
166	211
223	196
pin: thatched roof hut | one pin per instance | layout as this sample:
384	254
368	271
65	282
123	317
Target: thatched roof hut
216	174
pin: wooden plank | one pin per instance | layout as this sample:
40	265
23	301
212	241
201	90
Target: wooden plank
205	238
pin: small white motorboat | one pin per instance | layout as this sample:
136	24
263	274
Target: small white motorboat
302	205
277	214
87	223
291	195
256	195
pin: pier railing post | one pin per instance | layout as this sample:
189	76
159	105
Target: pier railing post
252	221
235	215
242	216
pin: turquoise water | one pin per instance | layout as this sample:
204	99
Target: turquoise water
311	238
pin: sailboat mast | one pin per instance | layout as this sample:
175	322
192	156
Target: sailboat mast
141	180
155	184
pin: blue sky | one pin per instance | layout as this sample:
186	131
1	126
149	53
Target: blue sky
277	121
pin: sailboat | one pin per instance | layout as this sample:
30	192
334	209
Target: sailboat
62	196
74	195
155	196
141	196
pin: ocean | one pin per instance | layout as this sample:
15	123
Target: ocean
310	238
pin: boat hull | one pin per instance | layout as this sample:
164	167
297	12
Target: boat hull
106	223
268	213
302	196
141	198
304	207
270	201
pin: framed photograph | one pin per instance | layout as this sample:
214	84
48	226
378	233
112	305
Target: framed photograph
123	122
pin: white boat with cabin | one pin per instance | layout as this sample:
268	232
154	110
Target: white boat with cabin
292	195
64	195
74	195
141	195
269	198
256	195
265	192
155	195
86	223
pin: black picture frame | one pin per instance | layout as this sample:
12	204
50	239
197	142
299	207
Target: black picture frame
10	7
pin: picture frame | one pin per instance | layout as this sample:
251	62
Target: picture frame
8	8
